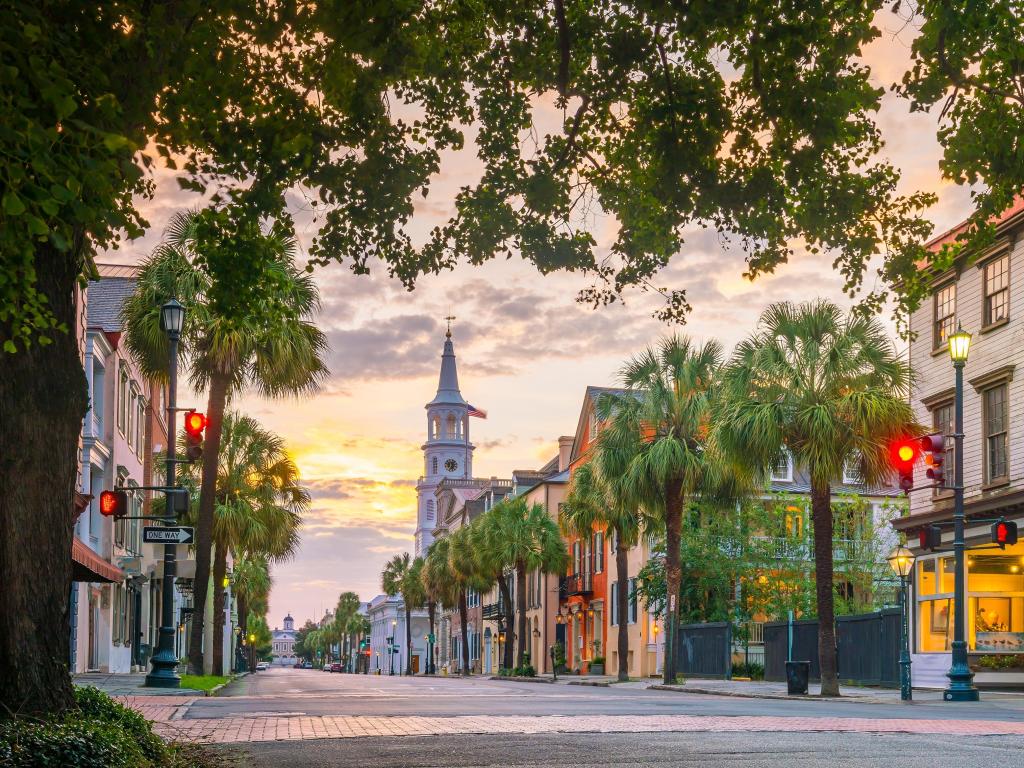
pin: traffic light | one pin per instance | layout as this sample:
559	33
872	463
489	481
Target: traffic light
195	424
1004	532
904	453
114	503
930	537
934	449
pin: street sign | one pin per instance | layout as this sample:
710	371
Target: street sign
171	534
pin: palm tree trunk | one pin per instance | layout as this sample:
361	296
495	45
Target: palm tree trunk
219	385
464	631
506	656
43	399
821	512
431	612
524	635
408	639
220	569
673	576
622	576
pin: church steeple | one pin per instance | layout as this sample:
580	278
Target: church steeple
448	382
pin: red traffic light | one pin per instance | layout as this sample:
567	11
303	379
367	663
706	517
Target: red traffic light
195	423
1004	533
904	454
114	503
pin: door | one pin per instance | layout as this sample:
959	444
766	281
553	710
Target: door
94	628
416	664
487	651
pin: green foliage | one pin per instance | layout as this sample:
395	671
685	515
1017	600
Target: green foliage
94	704
1000	662
751	669
597	660
526	670
203	682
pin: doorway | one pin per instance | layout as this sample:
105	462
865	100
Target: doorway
487	651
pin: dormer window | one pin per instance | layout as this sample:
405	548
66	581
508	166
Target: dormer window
782	470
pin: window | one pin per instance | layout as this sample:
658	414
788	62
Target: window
614	614
996	423
576	557
782	470
632	601
997	290
430	510
598	552
141	432
852	474
122	399
945	315
942	421
588	557
433	466
133	417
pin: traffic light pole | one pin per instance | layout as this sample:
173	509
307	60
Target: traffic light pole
165	664
961	679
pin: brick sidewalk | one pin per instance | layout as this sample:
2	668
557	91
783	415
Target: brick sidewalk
263	728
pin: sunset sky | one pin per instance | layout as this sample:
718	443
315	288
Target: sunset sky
525	351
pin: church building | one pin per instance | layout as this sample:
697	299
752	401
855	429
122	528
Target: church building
283	643
448	453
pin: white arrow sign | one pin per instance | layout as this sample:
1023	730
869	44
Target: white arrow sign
177	534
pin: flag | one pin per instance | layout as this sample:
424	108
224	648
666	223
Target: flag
478	412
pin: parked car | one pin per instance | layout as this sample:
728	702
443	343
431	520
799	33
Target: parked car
337	667
297	665
327	667
307	665
261	665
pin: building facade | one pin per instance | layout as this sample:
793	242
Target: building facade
984	294
389	653
282	644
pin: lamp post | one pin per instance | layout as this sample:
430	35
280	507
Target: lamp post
961	679
394	636
163	673
252	652
901	560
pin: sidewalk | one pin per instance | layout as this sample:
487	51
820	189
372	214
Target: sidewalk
128	685
771	690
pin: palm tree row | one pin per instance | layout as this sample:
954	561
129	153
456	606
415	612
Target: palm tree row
227	347
689	425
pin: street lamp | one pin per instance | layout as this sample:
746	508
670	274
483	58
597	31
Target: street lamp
252	652
394	636
961	679
163	673
901	560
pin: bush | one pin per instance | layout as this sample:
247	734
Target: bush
597	660
999	662
94	704
526	670
73	742
752	670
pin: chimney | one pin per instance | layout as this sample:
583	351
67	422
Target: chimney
564	452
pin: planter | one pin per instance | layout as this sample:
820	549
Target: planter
596	669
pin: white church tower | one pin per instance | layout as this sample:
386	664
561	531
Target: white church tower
447	452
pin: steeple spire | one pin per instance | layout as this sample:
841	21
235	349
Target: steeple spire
448	382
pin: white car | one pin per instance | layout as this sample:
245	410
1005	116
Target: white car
262	665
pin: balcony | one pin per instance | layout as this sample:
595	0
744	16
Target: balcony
579	584
494	611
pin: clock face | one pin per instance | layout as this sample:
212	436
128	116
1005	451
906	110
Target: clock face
451	465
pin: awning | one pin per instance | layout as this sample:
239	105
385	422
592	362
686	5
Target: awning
86	565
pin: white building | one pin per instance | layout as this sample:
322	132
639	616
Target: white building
447	453
282	643
387	620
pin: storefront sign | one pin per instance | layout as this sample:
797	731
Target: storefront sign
1000	642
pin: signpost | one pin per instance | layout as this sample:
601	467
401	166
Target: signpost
170	534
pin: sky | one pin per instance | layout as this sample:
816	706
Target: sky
526	352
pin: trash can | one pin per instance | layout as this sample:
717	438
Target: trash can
797	674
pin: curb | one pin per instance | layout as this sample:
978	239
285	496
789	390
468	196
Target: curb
217	688
773	696
523	679
591	683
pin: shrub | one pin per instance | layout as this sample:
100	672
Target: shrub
752	670
94	704
597	660
526	670
73	742
999	662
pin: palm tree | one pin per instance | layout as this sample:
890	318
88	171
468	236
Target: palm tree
439	585
662	421
347	607
597	500
490	567
356	627
252	584
523	537
224	352
462	564
402	575
831	390
259	506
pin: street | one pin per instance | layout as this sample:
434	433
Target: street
305	718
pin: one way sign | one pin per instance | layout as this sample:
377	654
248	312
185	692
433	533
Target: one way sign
173	534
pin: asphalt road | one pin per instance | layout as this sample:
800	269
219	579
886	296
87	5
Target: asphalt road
297	692
703	750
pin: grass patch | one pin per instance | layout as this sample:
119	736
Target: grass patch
203	682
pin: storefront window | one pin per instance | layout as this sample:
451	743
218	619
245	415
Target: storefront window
935	625
926	577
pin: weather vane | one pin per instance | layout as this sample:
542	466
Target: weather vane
449	319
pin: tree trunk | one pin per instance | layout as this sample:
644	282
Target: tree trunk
673	576
521	630
506	596
464	631
821	513
408	639
431	613
622	576
220	570
43	398
216	404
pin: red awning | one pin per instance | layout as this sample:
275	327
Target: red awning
86	565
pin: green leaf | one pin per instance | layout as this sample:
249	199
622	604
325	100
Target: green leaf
9	347
12	204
